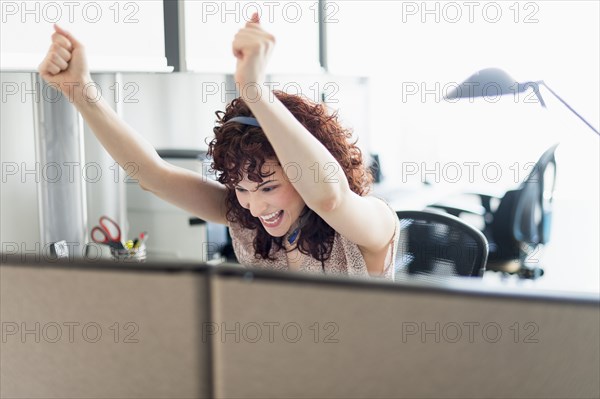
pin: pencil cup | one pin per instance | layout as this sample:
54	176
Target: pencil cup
129	255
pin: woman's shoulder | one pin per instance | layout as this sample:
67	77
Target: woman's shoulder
354	257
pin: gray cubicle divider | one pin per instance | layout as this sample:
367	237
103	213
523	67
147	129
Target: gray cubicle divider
302	337
106	330
59	147
103	330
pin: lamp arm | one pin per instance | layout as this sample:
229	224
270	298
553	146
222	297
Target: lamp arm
536	90
568	106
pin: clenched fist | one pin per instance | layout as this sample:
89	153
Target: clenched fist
65	65
252	46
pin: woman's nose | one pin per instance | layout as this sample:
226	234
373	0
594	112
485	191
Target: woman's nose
257	207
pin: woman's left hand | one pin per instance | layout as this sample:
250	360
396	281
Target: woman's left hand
252	46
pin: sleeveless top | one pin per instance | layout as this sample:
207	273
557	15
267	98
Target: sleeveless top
345	258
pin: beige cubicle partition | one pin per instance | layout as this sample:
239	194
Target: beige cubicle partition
299	337
102	330
105	330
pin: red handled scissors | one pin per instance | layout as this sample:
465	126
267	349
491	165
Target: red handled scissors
108	233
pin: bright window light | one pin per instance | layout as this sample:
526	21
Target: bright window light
413	51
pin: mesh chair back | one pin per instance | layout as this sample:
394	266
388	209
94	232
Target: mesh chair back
525	214
439	244
533	211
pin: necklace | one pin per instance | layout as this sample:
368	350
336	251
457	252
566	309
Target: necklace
301	222
294	235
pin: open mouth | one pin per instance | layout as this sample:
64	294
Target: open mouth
272	219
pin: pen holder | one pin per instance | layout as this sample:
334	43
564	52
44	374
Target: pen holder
129	255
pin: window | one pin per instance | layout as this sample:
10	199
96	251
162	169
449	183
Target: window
411	50
210	27
118	35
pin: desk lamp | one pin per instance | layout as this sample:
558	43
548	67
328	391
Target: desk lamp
479	83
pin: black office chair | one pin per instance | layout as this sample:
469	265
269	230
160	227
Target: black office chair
518	223
439	244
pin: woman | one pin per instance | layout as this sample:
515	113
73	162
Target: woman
291	188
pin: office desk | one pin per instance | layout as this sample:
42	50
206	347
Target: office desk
412	197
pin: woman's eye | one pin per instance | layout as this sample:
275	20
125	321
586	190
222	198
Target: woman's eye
240	190
268	189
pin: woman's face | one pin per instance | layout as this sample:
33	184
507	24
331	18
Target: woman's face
274	201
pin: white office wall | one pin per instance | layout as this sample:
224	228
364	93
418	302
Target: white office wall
177	110
19	216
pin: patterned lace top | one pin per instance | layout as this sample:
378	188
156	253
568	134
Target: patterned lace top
345	259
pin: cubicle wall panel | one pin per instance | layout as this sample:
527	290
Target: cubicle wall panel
90	333
21	172
291	339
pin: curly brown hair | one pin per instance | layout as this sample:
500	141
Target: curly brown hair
239	149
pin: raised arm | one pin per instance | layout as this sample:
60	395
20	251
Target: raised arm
65	66
366	221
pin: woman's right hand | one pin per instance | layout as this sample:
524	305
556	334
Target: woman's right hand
65	65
